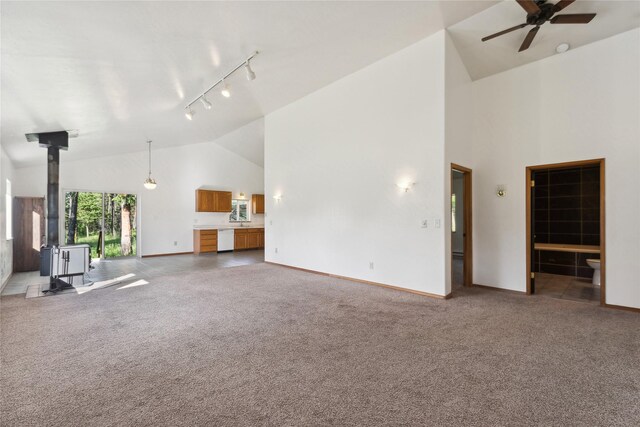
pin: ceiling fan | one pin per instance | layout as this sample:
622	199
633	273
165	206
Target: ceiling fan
539	12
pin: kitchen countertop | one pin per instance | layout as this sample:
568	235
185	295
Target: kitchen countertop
226	227
587	249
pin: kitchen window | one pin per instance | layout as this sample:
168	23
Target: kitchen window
240	211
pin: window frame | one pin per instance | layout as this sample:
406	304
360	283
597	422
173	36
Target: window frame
237	217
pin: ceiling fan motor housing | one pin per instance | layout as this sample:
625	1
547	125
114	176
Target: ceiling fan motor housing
546	12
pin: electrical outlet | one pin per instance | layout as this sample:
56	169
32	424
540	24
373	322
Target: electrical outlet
276	250
271	222
371	265
175	243
437	223
425	223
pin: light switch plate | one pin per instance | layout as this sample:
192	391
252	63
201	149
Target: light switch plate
424	223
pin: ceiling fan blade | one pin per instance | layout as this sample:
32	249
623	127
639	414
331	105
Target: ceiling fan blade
517	27
529	6
527	40
561	5
577	18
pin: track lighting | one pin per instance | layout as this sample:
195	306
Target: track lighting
205	103
250	74
226	88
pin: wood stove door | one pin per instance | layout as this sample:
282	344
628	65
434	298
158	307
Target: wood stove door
28	232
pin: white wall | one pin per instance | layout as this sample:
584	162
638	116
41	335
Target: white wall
458	132
167	214
583	104
336	157
6	246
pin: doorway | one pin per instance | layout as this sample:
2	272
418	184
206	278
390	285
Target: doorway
28	230
565	234
107	222
461	227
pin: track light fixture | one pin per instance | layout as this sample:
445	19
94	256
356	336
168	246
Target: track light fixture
226	88
189	114
250	74
205	103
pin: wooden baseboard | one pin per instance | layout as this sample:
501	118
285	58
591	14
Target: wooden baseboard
174	253
622	307
493	288
366	282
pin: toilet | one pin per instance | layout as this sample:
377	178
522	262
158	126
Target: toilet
595	264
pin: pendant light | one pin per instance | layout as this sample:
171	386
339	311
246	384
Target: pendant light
150	183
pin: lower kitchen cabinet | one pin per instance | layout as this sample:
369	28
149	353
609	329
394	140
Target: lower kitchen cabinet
250	238
205	241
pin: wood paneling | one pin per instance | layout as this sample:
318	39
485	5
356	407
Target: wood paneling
213	201
257	203
205	241
28	232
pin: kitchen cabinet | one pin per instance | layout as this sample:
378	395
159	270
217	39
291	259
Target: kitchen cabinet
249	238
257	203
213	201
205	241
239	240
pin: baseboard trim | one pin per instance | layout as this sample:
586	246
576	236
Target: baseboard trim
5	282
622	307
366	282
493	288
173	253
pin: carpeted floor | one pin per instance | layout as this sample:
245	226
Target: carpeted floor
265	345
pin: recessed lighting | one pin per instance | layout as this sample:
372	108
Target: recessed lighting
562	48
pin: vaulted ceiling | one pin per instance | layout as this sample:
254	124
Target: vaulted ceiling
483	59
122	72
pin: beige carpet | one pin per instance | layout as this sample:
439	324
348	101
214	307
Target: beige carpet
265	345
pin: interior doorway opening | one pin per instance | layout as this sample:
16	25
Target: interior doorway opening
461	227
107	222
566	230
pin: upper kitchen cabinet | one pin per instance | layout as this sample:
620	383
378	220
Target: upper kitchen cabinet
213	201
257	202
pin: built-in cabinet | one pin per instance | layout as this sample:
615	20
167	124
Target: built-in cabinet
257	203
250	238
205	241
213	201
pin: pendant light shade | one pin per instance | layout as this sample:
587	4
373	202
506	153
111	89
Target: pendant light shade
150	183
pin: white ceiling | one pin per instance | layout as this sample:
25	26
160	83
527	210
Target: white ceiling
496	55
121	72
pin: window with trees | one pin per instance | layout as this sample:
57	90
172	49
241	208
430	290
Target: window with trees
240	211
104	221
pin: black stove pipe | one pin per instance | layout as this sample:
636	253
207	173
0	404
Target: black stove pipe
53	177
